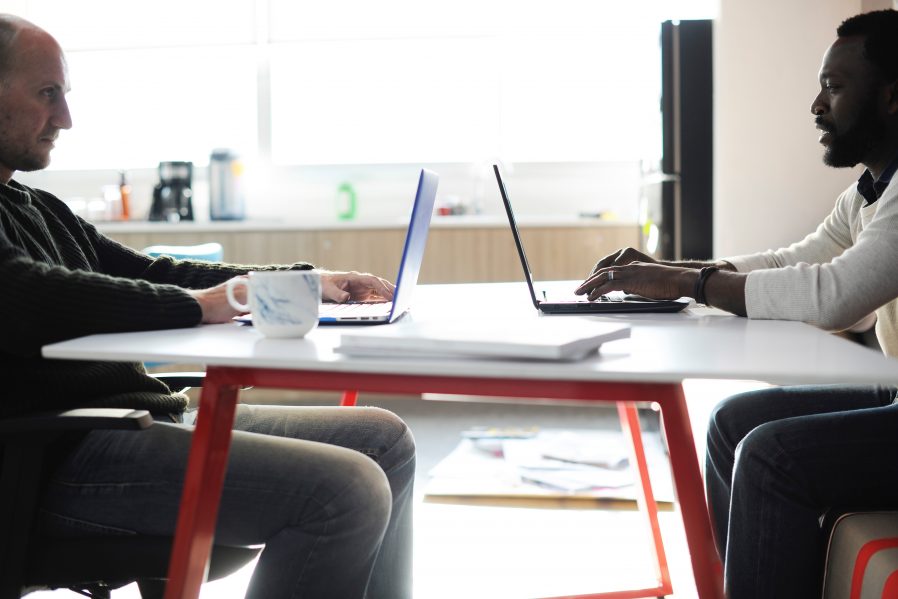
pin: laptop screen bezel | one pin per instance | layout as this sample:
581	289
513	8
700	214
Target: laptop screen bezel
528	276
418	230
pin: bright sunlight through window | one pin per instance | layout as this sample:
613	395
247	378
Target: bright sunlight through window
359	82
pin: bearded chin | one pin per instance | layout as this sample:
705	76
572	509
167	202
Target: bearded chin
857	142
841	155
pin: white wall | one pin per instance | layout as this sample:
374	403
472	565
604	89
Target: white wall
771	187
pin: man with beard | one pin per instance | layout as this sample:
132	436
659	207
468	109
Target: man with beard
778	459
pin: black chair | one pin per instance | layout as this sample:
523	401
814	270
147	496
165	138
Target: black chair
91	566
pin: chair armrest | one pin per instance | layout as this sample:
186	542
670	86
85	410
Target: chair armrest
180	381
85	419
78	419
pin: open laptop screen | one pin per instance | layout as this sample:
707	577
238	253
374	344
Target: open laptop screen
612	302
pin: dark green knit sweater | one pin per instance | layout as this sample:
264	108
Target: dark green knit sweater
59	279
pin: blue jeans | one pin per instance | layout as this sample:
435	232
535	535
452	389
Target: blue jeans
778	459
327	490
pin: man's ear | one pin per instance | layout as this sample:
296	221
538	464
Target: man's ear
892	97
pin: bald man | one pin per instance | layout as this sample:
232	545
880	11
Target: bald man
327	490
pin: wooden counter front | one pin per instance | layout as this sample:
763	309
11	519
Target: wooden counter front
455	254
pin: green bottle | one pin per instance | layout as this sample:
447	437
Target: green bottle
347	201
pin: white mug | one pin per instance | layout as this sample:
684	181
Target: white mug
284	303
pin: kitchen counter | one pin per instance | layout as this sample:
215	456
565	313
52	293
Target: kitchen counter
474	221
459	248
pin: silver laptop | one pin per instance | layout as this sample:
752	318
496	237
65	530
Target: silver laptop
406	278
578	304
409	266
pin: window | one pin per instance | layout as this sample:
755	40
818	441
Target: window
133	108
360	82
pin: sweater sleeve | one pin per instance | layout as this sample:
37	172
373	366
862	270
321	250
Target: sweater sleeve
56	288
47	303
827	280
119	260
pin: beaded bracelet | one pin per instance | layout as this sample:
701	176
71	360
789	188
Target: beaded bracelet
698	292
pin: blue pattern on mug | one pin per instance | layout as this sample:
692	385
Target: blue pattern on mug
285	303
275	308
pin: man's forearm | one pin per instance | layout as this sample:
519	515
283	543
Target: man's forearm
698	264
726	290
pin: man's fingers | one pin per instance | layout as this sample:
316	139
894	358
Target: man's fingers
622	257
585	285
604	263
595	294
345	286
597	278
333	293
333	289
373	287
385	288
601	287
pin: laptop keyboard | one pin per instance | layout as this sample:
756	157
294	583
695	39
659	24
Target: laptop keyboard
354	309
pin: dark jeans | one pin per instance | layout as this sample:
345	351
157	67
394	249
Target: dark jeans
327	490
777	460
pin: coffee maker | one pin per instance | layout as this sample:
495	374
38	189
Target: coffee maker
172	195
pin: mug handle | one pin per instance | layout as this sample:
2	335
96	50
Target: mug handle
229	291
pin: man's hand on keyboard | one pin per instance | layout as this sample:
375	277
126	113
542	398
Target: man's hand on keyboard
353	286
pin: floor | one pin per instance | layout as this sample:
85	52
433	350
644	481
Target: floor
516	553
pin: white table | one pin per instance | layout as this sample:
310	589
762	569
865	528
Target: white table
663	350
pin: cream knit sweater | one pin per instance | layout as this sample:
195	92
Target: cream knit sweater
837	275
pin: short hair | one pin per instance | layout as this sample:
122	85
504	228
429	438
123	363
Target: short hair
9	29
879	29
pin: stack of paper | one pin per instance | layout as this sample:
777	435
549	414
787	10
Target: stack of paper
566	338
528	470
569	461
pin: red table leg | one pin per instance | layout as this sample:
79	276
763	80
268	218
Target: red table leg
202	488
349	398
629	417
687	477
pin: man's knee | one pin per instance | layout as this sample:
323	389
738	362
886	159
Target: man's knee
734	418
372	481
723	417
396	443
367	489
759	452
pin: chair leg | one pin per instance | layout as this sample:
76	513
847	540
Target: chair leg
152	588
